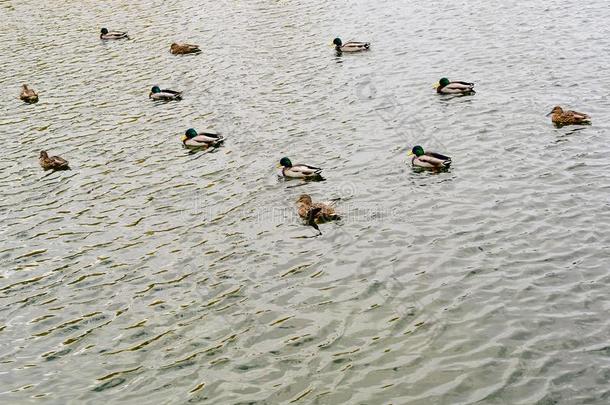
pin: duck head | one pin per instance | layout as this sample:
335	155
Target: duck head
285	162
304	199
417	151
189	134
442	83
104	31
43	154
155	89
337	42
556	109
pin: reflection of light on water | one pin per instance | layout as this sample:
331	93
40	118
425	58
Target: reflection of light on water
146	264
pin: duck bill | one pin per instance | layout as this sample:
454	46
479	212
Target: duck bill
437	85
549	114
410	153
184	138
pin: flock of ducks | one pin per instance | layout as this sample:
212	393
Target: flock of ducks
313	212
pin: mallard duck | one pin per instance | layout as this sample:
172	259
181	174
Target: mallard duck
316	213
105	34
428	160
181	49
194	139
52	162
28	94
157	94
444	86
560	117
299	171
350	46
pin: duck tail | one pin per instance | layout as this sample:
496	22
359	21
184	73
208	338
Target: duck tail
329	217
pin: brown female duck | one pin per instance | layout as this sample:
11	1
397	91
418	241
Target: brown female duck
315	213
182	49
322	211
28	94
561	117
52	162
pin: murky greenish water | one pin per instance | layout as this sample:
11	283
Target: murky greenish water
151	275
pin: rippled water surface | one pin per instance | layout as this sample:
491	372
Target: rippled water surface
148	274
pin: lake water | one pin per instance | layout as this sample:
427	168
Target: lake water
148	274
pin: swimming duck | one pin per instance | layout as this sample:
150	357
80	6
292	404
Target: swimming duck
315	213
301	171
105	34
194	139
444	86
428	160
561	117
181	49
350	46
167	95
52	162
28	94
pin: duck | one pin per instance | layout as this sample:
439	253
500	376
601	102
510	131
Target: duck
444	86
167	95
561	117
298	171
316	213
194	139
182	49
105	34
428	160
52	162
28	94
350	46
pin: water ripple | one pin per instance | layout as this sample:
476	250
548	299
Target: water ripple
151	273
